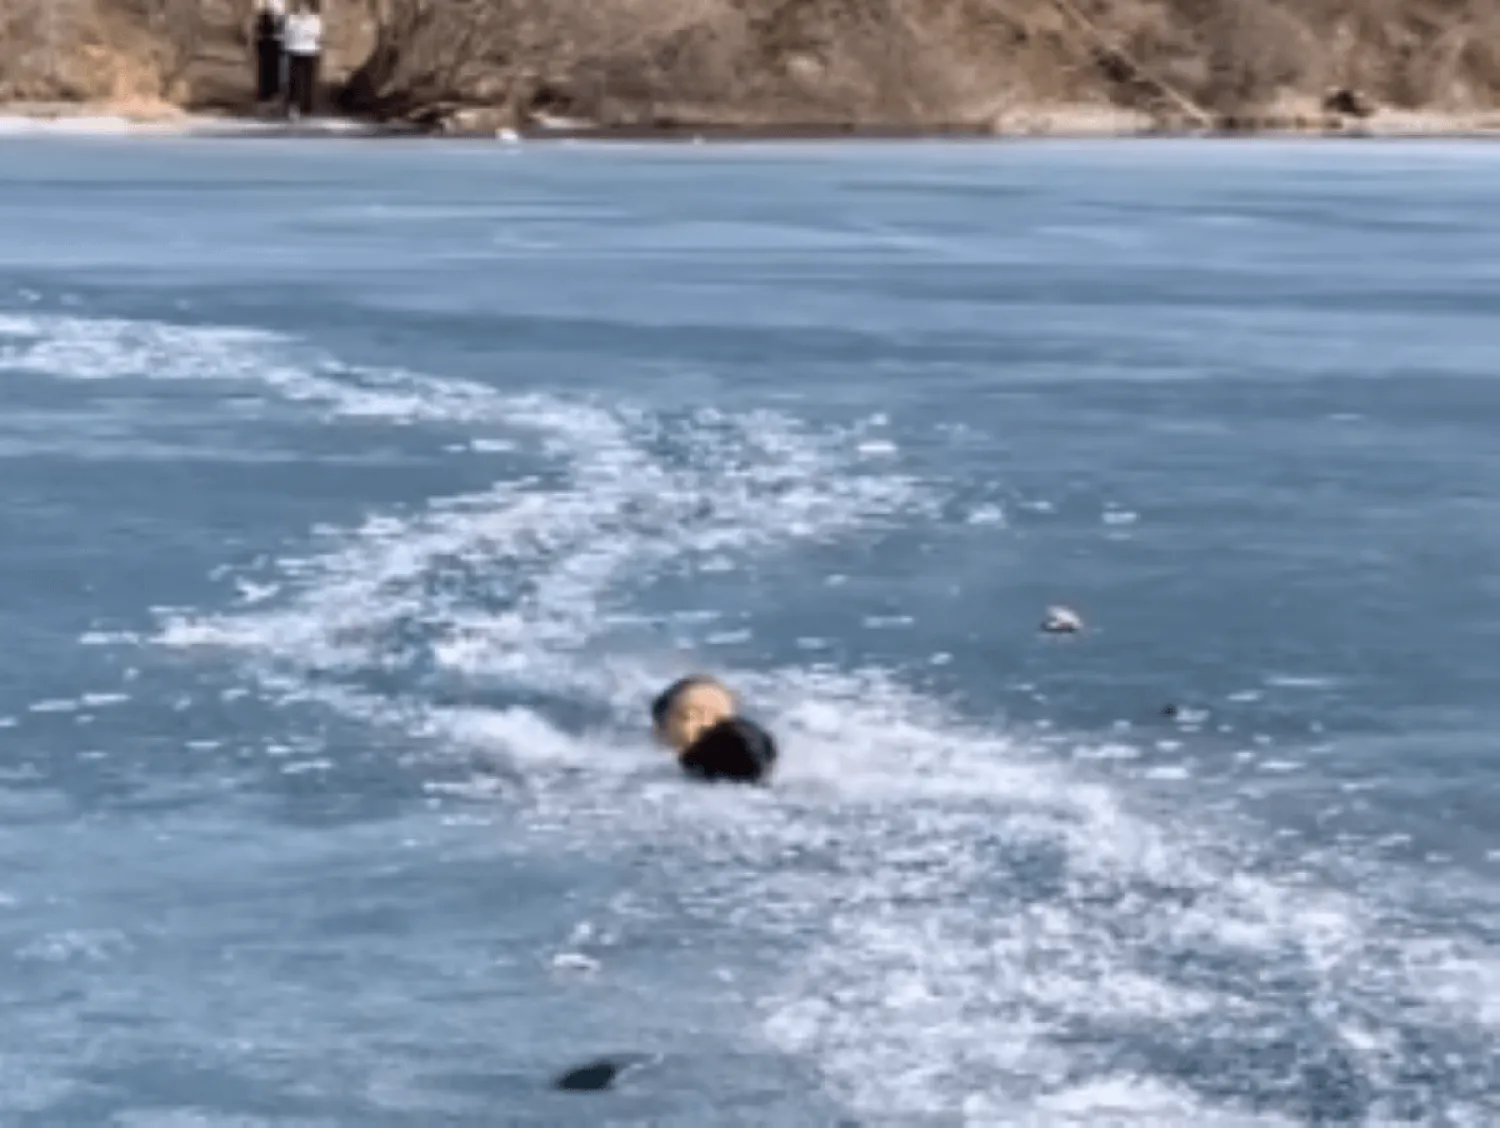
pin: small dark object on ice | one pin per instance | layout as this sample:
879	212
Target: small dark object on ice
602	1072
1170	711
590	1078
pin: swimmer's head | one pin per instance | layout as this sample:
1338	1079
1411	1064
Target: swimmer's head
689	707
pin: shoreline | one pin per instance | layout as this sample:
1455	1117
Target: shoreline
104	119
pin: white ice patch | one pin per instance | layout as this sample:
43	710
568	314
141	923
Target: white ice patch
103	700
72	348
54	705
617	514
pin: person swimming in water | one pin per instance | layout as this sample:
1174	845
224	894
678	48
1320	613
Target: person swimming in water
698	718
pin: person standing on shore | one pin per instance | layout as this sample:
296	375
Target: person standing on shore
304	48
270	16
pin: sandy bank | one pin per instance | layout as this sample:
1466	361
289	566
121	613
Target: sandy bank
133	119
1080	122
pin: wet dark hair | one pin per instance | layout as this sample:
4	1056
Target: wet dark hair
661	705
735	749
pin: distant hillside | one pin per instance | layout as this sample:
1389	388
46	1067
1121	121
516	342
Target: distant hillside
788	63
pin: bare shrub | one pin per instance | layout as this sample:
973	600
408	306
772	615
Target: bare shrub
816	62
653	60
1456	68
1251	50
176	29
63	49
42	39
1479	60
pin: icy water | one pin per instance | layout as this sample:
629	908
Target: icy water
355	498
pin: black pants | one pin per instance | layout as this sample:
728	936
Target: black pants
302	83
267	69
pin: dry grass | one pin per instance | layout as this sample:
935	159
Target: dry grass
42	48
134	52
902	63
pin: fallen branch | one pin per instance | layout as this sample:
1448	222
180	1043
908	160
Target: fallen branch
1101	42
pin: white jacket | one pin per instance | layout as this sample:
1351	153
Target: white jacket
303	34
